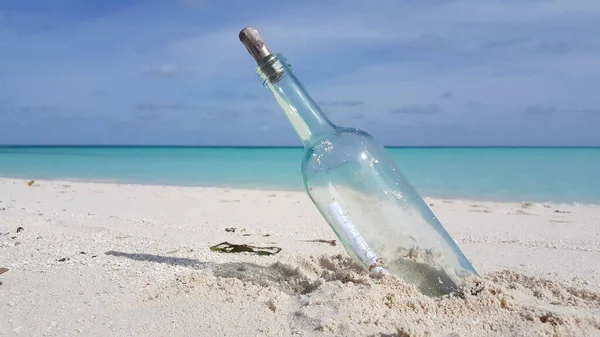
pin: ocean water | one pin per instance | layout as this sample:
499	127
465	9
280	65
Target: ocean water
512	174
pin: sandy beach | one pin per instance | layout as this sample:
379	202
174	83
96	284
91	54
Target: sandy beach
92	259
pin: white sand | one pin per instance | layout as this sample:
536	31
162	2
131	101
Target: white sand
136	262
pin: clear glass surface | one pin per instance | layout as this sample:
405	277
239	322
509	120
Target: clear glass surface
380	219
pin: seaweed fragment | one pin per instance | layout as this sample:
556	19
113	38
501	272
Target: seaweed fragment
226	247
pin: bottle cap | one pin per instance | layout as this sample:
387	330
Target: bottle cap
254	44
271	71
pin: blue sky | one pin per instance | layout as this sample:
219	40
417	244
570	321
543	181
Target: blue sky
426	72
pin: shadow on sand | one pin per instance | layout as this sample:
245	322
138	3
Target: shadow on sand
282	276
175	261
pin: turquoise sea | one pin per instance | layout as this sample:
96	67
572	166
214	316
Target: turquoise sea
496	173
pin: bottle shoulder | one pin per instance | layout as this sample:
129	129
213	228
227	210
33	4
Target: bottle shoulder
340	146
342	135
354	133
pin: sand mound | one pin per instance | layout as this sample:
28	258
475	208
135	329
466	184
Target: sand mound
332	295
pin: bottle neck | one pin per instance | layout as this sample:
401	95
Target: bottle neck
302	111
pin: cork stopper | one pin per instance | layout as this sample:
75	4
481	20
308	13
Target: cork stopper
254	44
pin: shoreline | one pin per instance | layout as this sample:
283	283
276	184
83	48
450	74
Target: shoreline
427	198
101	259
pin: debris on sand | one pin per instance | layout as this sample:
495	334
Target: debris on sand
329	242
226	247
2	271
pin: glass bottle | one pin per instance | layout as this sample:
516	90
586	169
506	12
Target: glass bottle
380	219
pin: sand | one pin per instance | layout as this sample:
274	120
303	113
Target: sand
95	259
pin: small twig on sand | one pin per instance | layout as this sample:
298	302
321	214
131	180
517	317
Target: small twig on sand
330	242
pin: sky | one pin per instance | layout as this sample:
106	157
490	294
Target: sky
409	72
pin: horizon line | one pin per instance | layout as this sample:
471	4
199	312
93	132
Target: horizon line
276	146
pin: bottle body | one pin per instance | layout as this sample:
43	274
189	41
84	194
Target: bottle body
376	214
379	218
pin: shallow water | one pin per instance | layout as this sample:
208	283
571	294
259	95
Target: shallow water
515	174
